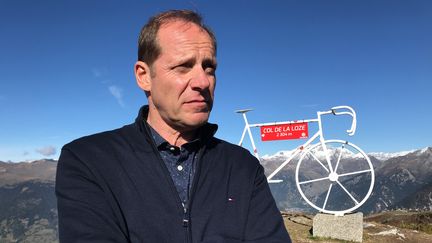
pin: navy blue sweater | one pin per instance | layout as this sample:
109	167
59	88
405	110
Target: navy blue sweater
114	187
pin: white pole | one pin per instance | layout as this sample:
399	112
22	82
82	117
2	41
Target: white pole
251	137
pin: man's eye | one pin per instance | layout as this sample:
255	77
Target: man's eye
209	67
210	70
183	67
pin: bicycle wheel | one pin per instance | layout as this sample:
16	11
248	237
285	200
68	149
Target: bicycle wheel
336	178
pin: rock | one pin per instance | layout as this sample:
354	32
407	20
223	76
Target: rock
348	227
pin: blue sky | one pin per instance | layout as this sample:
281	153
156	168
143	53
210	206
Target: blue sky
66	69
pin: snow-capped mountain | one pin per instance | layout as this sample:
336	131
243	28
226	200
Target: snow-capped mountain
279	155
285	154
385	156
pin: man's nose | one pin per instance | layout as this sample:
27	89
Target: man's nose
200	79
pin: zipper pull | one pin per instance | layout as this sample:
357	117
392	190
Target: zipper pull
185	223
185	215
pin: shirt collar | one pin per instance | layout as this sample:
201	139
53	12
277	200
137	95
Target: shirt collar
158	139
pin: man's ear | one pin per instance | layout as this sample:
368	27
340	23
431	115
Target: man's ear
143	75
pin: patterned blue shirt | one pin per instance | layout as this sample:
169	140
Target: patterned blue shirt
180	162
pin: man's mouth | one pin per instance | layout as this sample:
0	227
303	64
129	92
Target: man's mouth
199	103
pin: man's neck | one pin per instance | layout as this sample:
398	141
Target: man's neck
171	135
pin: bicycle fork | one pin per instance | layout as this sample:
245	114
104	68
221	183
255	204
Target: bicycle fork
247	129
322	141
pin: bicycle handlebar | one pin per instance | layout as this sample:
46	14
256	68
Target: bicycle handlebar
350	112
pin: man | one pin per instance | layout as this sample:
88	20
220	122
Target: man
165	178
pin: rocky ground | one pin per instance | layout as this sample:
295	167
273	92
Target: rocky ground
299	226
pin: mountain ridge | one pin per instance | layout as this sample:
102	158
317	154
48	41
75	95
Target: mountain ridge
394	178
28	210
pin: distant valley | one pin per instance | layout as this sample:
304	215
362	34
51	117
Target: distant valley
28	210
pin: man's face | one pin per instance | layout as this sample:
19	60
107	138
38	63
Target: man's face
183	76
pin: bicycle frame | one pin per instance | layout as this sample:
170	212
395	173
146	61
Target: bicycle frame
318	134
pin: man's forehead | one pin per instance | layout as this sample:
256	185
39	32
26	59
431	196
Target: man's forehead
176	29
178	23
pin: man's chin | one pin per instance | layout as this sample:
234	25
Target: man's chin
198	119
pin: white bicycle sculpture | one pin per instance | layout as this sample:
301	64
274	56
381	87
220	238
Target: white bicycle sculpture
327	162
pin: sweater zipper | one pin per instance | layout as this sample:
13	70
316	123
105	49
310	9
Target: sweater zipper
186	213
185	216
187	205
185	223
182	206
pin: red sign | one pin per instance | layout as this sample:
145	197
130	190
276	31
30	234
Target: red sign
285	131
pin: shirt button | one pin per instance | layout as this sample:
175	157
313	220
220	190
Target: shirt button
179	167
172	148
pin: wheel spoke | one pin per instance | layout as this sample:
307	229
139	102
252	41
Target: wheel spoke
314	180
349	194
328	193
318	161
356	172
340	155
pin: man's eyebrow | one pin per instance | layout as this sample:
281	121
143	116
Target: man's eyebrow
209	62
183	60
